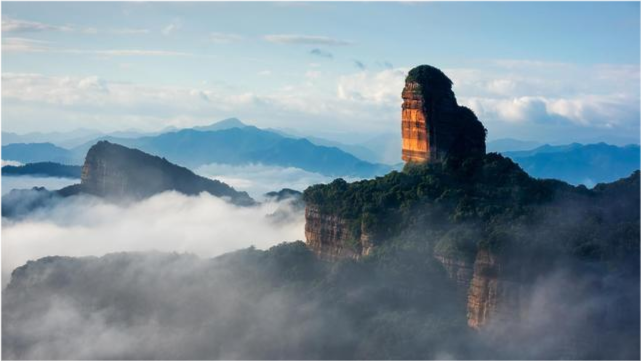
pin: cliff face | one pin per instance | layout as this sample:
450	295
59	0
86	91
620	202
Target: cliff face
416	144
113	171
458	270
494	294
330	238
433	125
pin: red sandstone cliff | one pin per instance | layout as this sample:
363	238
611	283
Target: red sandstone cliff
330	237
433	125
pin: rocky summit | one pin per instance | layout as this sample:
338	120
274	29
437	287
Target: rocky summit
114	171
434	126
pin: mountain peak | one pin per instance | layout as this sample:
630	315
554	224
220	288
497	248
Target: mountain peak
115	171
433	125
223	124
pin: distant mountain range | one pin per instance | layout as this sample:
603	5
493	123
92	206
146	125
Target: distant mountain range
511	145
579	164
233	142
39	152
226	142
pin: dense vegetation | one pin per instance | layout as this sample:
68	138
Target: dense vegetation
487	201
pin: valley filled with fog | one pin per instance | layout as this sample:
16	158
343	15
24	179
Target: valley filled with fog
170	222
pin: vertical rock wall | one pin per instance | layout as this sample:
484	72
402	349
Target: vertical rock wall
414	128
433	125
330	238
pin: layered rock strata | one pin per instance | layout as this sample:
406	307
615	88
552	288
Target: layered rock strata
493	295
433	125
330	237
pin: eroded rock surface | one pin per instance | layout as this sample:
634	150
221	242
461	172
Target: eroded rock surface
434	126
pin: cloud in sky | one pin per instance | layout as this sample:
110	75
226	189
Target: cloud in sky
224	38
503	95
13	25
169	222
15	44
24	45
359	64
16	25
306	40
321	53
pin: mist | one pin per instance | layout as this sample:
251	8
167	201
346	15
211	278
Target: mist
258	179
204	225
26	182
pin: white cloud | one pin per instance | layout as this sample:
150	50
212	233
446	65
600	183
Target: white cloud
10	24
16	25
305	40
224	38
27	182
373	87
130	31
172	27
11	163
258	179
586	97
24	45
169	222
14	44
128	52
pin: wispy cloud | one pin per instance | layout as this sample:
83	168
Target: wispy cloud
224	38
128	52
25	45
12	25
17	25
321	53
305	40
129	31
172	27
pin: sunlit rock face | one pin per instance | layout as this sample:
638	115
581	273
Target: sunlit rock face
330	237
434	126
414	128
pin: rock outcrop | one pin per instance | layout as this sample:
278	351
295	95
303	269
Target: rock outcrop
434	126
114	171
459	270
331	238
494	229
493	294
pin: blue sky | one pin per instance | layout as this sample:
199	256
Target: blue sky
556	72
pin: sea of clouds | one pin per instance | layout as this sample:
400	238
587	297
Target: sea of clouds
170	222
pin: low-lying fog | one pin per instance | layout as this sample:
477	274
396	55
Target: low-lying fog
258	179
169	222
28	182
